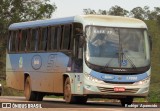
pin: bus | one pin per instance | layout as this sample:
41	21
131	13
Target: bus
80	57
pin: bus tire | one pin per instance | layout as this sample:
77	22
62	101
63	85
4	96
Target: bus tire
39	96
127	100
29	94
69	98
81	99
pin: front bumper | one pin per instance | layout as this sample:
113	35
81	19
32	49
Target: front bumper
113	95
107	89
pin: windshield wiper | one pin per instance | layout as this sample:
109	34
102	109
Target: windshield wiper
121	53
127	57
108	63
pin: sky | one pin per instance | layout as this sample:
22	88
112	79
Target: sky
75	7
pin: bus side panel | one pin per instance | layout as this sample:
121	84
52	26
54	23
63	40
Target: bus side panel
14	74
39	71
45	70
47	82
42	82
58	83
49	77
78	83
61	66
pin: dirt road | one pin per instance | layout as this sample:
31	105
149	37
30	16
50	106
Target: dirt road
53	104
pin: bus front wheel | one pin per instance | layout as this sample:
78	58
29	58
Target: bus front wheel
69	98
81	99
29	94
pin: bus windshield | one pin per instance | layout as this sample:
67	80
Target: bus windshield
117	47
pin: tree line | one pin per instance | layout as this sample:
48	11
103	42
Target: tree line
143	13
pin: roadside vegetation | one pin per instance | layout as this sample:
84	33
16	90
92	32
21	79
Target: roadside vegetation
9	91
154	31
20	10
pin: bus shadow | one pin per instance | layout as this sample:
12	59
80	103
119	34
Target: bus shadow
90	104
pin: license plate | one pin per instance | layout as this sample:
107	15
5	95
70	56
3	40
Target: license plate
119	89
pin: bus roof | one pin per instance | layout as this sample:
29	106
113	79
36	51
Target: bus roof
99	20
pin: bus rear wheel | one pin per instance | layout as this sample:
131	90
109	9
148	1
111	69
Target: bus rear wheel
127	100
29	94
39	96
69	98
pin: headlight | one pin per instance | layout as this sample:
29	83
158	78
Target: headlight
0	85
91	78
144	81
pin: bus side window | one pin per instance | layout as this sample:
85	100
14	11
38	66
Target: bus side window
54	31
36	39
9	41
66	37
39	39
23	40
43	39
12	40
52	38
28	41
59	31
33	40
17	43
49	39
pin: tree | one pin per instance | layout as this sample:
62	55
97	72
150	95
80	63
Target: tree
102	12
12	11
24	10
118	11
152	15
138	13
158	20
146	12
89	11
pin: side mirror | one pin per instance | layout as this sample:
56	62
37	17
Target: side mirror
150	42
81	40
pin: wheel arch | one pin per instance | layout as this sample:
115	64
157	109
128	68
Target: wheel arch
65	75
26	74
64	78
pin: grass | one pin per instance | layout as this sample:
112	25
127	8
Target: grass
9	91
154	31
